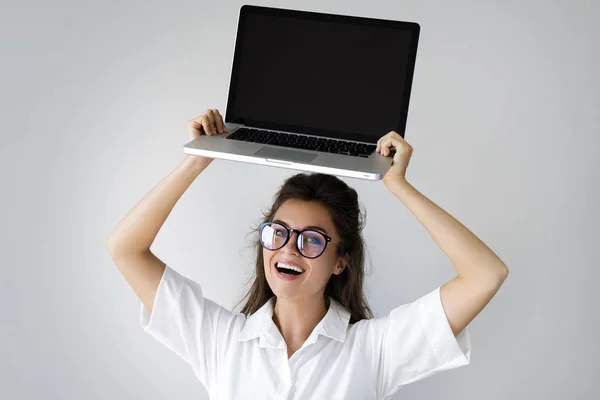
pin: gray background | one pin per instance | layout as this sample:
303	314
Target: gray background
95	98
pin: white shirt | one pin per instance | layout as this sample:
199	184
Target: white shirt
239	357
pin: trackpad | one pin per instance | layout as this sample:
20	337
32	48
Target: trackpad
285	155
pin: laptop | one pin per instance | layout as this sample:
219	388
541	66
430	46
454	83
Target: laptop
315	92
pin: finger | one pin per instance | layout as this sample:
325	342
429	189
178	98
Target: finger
220	123
381	139
395	145
398	137
401	146
206	124
195	127
209	125
379	143
216	126
385	144
382	143
400	143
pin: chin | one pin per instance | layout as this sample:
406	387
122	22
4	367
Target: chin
283	290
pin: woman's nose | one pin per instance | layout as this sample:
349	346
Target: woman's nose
291	244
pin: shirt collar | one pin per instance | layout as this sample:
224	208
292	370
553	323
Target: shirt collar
260	324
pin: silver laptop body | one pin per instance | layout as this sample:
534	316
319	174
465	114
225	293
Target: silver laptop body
314	92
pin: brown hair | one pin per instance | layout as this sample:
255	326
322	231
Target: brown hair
343	206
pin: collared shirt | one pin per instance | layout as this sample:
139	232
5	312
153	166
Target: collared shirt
239	357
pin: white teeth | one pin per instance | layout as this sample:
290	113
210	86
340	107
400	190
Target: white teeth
282	265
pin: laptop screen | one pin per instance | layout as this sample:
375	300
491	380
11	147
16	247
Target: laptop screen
334	76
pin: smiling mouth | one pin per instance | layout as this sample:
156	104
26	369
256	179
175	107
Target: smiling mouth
288	269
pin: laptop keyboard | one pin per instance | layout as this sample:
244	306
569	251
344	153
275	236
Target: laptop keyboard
303	142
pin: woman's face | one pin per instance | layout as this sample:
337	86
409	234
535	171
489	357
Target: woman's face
299	214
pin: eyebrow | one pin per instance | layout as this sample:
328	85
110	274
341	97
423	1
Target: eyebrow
306	227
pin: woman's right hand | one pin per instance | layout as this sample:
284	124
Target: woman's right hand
209	123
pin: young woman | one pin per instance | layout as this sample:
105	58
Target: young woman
306	331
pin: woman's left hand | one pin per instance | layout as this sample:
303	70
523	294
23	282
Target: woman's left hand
402	154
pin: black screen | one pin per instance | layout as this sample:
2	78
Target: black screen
322	76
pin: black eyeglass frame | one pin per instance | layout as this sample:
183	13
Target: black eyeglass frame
289	235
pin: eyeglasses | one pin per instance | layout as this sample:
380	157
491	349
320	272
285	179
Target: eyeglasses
310	243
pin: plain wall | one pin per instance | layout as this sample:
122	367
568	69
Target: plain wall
95	98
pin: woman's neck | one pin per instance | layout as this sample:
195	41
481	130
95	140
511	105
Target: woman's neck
296	318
